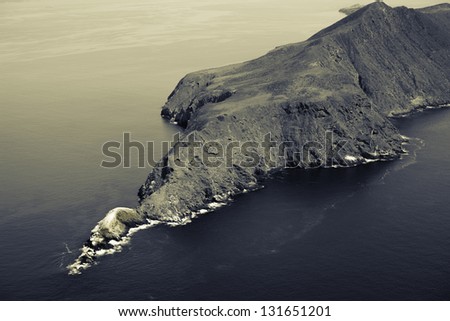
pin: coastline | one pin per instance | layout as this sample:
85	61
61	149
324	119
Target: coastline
327	91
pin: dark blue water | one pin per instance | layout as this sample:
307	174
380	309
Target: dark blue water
376	232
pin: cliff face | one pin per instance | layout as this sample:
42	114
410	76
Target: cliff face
396	57
347	79
327	100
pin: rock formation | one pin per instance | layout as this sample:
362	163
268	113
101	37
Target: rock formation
349	10
345	82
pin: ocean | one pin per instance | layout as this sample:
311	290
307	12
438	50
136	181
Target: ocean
76	74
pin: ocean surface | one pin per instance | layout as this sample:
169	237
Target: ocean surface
76	74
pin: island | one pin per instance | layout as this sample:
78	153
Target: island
325	102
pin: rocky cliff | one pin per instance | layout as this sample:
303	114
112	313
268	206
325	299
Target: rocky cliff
347	79
326	101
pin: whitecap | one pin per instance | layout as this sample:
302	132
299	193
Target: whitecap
350	158
215	205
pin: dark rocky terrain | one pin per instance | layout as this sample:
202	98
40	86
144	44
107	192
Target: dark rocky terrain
348	80
352	9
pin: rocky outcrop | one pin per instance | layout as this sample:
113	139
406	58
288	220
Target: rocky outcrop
352	9
108	236
325	102
194	97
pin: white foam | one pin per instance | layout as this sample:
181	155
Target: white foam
117	245
350	158
181	222
368	160
105	252
215	205
221	197
67	249
111	223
